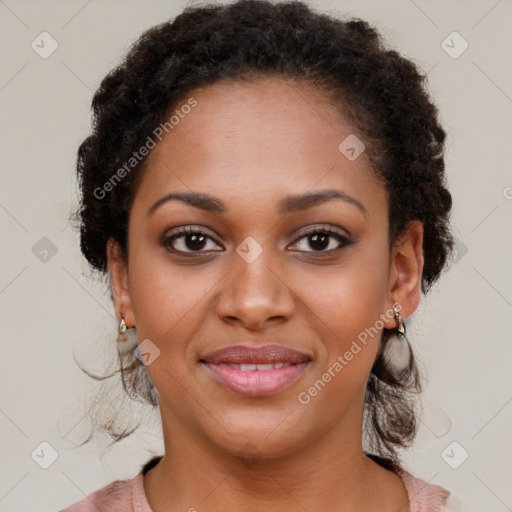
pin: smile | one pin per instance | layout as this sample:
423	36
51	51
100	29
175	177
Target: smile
256	371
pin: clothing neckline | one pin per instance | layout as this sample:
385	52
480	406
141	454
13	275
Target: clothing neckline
421	494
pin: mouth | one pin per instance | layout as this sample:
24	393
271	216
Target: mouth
256	371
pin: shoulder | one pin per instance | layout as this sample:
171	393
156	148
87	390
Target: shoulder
121	495
423	496
116	495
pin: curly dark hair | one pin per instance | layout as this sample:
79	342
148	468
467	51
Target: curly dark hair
379	91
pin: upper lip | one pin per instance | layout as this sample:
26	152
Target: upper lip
243	354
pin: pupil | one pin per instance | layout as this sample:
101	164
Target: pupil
316	238
197	241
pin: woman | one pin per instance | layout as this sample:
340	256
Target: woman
264	186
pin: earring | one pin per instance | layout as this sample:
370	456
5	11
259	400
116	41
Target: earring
397	352
121	337
126	338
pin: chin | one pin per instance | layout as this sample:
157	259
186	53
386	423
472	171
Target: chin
255	437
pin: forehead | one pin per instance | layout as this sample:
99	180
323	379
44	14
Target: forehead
254	140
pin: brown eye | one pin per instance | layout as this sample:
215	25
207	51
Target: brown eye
321	240
188	240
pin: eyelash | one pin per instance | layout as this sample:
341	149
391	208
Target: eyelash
187	230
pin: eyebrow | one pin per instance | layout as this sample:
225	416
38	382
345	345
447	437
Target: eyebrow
289	204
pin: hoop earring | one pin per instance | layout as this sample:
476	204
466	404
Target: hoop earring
126	338
397	353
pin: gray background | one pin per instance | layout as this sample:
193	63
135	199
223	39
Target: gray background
52	310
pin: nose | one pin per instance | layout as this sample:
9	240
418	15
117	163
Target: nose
255	294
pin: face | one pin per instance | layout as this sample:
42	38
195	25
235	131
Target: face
284	244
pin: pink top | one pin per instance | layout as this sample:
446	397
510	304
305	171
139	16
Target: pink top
129	496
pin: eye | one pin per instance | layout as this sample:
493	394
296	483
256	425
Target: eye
188	240
322	240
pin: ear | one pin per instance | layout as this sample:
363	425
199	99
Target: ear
119	278
406	270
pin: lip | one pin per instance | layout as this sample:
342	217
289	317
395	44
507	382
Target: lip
245	354
283	366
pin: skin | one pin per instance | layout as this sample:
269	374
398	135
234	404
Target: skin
250	145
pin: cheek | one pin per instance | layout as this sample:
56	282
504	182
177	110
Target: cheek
167	299
348	297
346	307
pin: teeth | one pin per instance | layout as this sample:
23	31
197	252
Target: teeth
264	366
259	367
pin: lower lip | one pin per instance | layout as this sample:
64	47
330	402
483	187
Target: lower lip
254	383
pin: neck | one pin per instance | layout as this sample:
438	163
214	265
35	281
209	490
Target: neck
330	473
